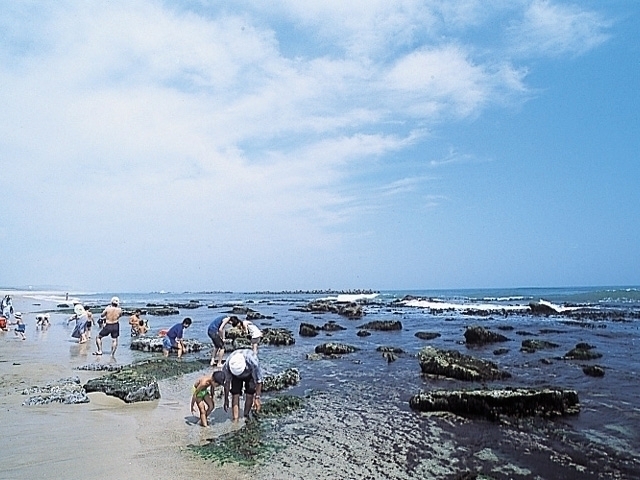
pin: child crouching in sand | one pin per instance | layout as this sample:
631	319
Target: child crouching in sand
20	327
203	395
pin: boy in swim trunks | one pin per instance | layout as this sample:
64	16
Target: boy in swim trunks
203	395
173	338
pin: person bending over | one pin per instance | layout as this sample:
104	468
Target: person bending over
173	338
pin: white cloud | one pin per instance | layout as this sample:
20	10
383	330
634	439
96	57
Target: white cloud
552	29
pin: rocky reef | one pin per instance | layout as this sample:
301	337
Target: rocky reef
66	390
349	310
453	364
491	404
138	382
154	344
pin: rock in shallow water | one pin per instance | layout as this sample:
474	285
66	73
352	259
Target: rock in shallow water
491	404
453	364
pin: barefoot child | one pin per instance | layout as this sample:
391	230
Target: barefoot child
203	395
20	327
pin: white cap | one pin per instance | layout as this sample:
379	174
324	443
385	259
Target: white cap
237	364
78	309
115	301
19	315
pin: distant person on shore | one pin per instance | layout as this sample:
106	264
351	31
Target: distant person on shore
80	317
20	326
249	329
242	369
42	320
110	315
216	334
6	307
203	392
173	338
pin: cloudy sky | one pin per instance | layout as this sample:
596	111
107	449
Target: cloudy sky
248	145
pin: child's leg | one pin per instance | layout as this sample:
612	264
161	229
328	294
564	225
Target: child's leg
202	407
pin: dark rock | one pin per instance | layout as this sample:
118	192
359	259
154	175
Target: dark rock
453	364
382	325
593	370
505	328
154	344
582	351
492	404
288	378
427	335
363	333
501	351
277	336
252	315
308	330
530	346
335	349
332	327
481	336
542	309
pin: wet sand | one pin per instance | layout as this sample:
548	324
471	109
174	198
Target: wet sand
104	438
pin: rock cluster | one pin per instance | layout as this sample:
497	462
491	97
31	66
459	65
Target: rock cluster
531	346
582	351
277	336
349	310
310	330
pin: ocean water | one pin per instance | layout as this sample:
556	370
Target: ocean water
357	423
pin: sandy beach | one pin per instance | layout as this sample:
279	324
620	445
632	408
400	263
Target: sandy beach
104	438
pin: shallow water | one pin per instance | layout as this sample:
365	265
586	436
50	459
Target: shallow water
357	423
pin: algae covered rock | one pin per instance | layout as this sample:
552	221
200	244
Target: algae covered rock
277	336
519	402
593	370
138	382
453	364
308	330
288	378
335	349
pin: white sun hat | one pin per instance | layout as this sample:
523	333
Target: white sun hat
78	309
237	364
115	301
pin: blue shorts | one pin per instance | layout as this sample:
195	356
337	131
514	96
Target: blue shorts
167	344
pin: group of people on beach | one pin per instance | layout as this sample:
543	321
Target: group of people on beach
239	373
6	311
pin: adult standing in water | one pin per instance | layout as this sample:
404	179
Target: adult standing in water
110	315
216	334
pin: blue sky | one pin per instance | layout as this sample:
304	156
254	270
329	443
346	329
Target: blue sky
212	145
